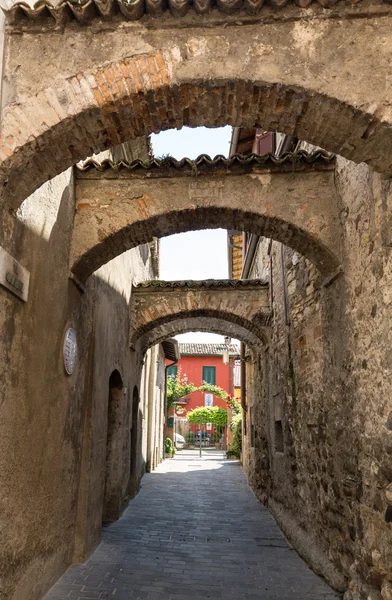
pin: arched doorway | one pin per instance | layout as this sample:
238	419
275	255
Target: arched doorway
133	479
110	511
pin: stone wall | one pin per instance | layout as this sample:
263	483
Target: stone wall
158	304
293	201
327	398
86	89
65	455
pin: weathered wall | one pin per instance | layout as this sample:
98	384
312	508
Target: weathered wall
329	357
89	88
53	427
159	303
293	201
255	441
153	413
365	375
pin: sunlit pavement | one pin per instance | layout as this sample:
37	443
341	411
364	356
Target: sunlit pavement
194	531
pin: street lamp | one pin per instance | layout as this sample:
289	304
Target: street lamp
226	348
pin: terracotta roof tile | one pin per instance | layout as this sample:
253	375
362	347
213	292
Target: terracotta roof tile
191	349
206	283
85	11
169	166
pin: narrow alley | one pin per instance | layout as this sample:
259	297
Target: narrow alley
194	531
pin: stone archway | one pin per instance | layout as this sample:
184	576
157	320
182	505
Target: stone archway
208	324
238	75
158	308
119	206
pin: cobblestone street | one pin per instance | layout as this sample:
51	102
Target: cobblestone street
194	531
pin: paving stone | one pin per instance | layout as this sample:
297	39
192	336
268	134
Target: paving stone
195	531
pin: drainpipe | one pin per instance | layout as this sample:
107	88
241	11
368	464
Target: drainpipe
234	141
250	255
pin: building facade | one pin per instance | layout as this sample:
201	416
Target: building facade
203	363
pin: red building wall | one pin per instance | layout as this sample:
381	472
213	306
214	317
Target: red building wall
192	367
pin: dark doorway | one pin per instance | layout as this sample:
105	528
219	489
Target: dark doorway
134	479
110	501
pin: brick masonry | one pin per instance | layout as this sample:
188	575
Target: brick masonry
157	304
91	103
319	402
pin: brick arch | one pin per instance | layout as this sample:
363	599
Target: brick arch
158	307
209	320
207	218
293	201
206	324
189	79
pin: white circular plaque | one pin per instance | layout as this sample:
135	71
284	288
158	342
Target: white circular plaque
70	350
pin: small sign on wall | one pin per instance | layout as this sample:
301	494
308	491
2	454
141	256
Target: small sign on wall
208	400
13	276
70	351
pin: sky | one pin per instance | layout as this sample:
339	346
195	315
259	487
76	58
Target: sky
196	254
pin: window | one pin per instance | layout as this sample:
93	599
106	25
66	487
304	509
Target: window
279	438
279	443
172	370
209	375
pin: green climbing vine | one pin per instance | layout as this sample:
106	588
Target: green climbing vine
178	387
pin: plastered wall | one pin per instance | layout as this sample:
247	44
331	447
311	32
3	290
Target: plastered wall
53	427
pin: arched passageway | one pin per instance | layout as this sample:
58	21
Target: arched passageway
293	200
186	323
75	91
91	104
159	305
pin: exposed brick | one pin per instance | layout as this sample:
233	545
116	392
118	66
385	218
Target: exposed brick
156	308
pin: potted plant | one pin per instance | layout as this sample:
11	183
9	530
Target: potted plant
232	454
170	449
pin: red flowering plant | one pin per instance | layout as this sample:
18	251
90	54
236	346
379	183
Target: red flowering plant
233	404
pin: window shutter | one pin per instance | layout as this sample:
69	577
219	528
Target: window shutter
172	370
209	375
